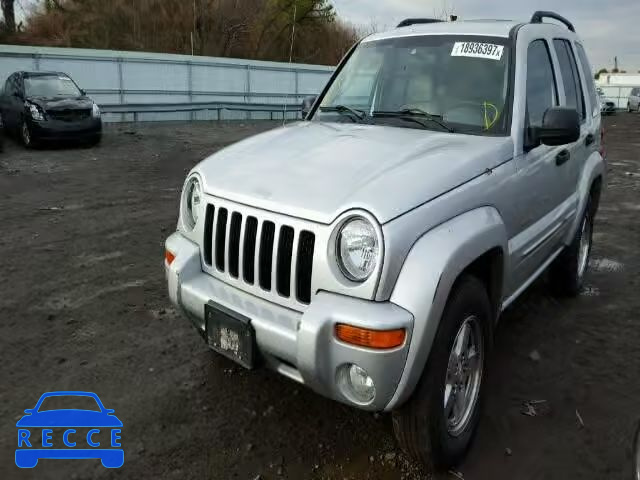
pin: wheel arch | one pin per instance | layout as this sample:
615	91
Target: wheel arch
591	183
473	243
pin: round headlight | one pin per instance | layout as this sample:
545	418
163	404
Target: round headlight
358	249
192	201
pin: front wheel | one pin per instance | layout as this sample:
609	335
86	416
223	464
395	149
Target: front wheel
438	423
26	135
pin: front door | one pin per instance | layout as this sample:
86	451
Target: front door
542	183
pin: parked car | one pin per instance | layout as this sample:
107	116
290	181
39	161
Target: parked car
607	107
369	251
633	104
48	106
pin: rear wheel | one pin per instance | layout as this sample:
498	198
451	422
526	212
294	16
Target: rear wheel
568	271
438	423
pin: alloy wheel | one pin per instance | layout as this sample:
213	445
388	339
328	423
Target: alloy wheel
464	376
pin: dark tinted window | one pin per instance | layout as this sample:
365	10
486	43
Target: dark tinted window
541	84
570	77
586	70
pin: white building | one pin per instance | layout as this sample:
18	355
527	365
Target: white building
617	86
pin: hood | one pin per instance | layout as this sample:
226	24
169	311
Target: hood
317	170
62	103
69	418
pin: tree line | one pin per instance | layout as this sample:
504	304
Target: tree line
253	29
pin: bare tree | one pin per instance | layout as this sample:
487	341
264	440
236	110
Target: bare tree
9	15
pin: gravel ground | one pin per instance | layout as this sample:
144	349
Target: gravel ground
83	307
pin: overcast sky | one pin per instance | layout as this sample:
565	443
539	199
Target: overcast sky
608	27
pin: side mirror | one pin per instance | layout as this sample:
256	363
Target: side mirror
109	411
307	105
560	126
29	411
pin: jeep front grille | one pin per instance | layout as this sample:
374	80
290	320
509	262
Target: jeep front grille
259	252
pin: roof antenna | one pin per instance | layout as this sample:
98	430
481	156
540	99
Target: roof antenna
293	36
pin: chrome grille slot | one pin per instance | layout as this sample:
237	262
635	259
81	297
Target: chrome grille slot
208	234
249	250
306	245
221	237
265	262
283	266
258	253
234	244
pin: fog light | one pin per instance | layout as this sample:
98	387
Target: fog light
357	385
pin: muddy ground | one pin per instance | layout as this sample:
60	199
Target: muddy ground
83	307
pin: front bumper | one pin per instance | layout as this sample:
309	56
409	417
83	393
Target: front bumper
300	345
60	130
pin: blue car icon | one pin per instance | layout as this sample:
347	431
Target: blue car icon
35	431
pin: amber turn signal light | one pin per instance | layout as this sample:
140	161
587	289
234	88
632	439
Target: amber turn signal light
377	339
169	257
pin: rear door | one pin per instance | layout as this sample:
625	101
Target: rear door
570	167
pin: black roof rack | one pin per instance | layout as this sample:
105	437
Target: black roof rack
538	16
414	21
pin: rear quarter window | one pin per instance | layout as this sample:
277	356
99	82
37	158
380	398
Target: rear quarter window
585	66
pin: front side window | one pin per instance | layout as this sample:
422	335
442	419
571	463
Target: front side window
541	84
461	81
50	86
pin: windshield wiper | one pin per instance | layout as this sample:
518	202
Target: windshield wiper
409	114
359	114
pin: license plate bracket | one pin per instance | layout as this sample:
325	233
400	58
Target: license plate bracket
230	334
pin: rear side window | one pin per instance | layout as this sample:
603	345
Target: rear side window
586	71
541	84
570	77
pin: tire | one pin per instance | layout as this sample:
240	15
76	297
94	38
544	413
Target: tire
26	136
628	107
95	140
422	426
569	269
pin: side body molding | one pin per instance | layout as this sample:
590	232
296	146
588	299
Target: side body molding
428	274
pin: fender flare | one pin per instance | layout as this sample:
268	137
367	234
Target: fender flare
594	167
429	272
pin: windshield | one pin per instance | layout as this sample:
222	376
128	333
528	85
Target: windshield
65	402
50	86
460	80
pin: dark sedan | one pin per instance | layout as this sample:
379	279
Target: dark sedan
48	106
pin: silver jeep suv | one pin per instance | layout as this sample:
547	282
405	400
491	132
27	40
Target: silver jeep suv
369	251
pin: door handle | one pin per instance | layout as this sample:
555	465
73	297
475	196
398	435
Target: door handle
590	139
563	157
